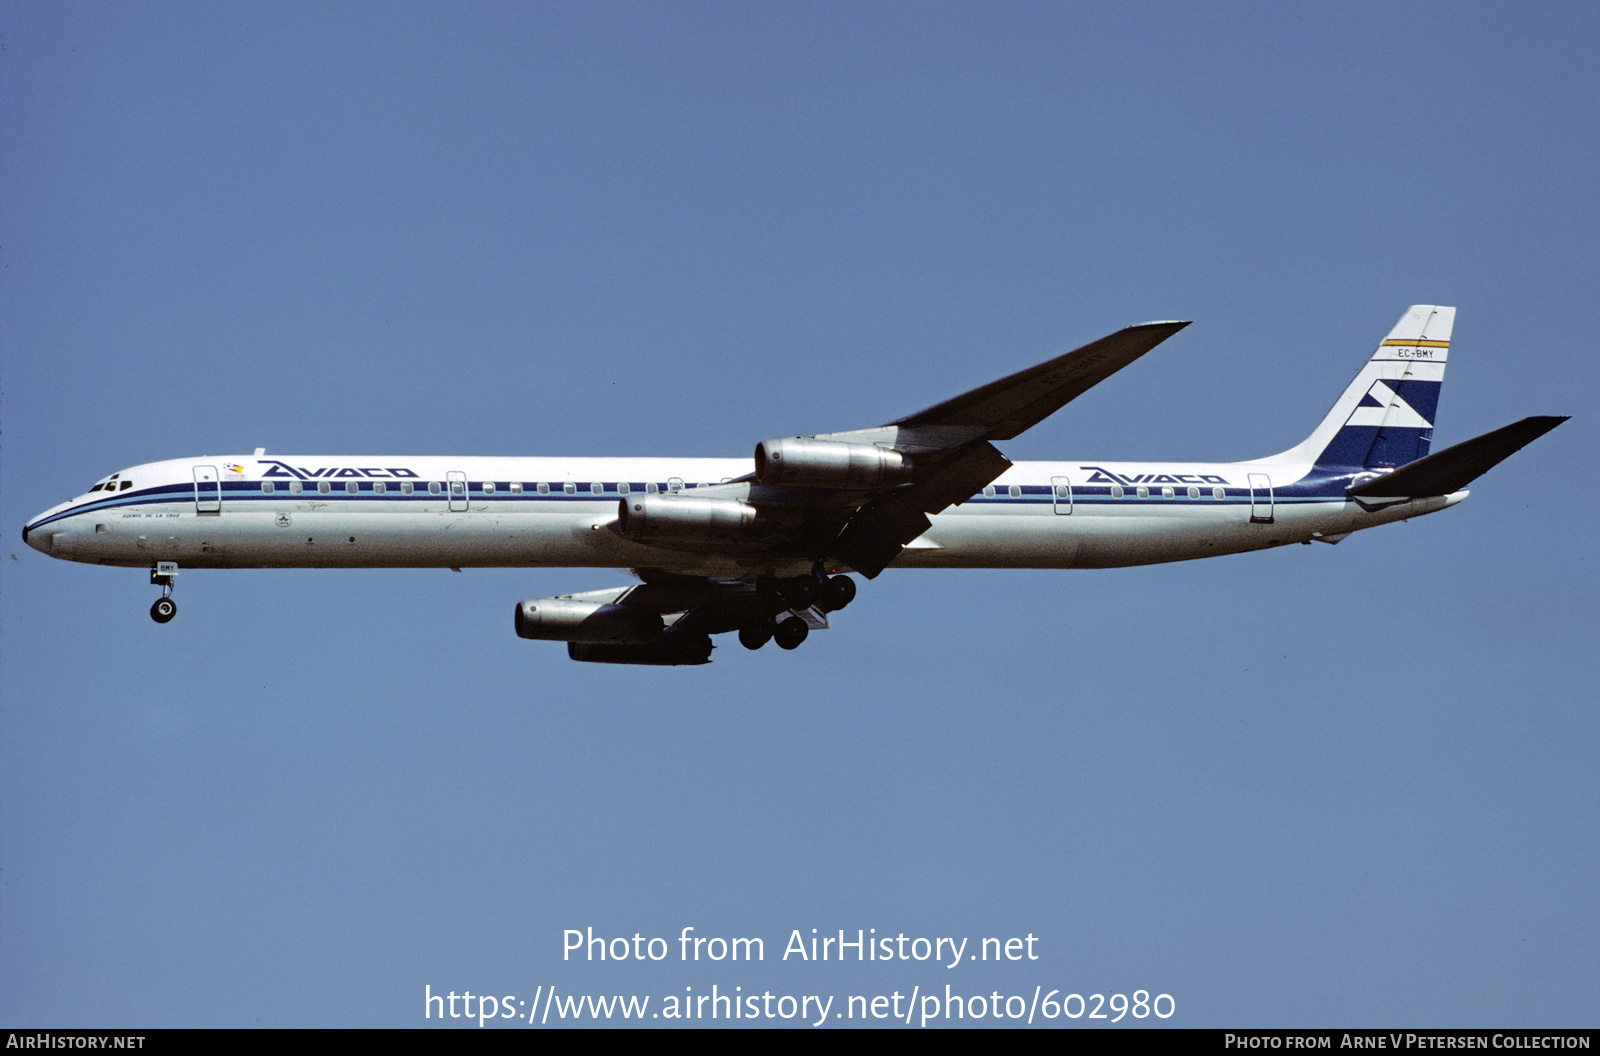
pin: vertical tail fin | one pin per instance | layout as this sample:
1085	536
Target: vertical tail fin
1385	418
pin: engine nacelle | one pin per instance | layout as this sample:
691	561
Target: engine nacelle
688	519
570	620
828	464
670	651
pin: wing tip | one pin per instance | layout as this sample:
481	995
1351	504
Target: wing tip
1176	324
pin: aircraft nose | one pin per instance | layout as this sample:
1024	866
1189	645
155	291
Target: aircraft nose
40	541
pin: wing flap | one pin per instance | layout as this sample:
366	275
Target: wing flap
957	480
877	533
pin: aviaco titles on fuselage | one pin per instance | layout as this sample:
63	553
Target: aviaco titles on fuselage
764	548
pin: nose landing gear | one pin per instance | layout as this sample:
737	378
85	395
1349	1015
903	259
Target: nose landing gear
162	575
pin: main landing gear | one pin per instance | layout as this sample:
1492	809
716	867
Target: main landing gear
756	634
828	593
162	575
790	633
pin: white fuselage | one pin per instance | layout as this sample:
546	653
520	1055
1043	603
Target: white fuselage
384	512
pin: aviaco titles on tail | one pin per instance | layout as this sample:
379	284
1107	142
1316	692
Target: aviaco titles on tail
720	545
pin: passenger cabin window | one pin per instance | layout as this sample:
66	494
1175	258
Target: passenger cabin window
379	487
516	487
405	487
351	487
1014	491
1117	492
488	487
1144	492
543	489
267	487
674	484
622	487
295	487
988	492
1166	493
597	488
324	487
434	488
458	487
1194	493
652	488
1218	493
570	488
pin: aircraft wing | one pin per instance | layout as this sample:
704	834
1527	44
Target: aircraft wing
1002	409
857	498
949	443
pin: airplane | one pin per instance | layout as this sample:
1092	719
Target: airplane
766	551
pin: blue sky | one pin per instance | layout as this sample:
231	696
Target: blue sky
1320	785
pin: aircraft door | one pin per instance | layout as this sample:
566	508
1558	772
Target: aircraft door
1260	499
456	482
1061	495
207	490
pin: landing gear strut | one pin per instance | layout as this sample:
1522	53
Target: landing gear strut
162	575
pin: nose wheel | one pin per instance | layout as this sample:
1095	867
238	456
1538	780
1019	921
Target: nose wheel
162	576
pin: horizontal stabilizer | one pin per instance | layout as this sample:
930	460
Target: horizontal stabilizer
1448	471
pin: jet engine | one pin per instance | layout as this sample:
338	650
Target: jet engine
670	650
828	464
682	518
571	620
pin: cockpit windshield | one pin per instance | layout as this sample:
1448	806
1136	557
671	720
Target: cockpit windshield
112	483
